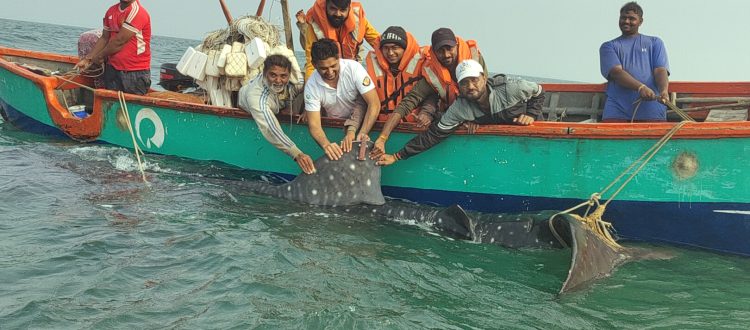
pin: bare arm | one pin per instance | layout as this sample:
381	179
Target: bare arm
332	150
373	109
100	44
114	45
661	76
624	79
85	62
379	147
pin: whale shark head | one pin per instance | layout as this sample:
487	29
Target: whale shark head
343	182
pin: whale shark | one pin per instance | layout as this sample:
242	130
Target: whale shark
352	185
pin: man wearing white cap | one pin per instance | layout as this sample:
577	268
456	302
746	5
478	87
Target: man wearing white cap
482	100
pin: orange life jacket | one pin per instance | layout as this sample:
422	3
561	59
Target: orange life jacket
349	36
391	89
440	77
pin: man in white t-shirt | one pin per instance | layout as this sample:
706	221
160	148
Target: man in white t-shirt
343	89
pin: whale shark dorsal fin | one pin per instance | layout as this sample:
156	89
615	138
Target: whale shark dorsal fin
454	222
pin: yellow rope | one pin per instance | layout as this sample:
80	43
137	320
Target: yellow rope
678	111
137	150
594	220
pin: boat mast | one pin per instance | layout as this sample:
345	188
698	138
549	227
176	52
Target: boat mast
287	24
227	14
260	8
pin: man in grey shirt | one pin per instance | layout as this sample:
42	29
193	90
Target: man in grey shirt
496	100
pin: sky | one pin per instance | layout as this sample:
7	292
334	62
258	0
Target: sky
705	40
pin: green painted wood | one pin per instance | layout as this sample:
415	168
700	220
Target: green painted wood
23	94
523	166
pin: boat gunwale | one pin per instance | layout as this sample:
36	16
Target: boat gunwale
540	129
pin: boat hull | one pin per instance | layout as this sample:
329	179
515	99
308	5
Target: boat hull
695	191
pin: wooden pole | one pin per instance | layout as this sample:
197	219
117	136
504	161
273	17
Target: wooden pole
227	15
287	24
260	8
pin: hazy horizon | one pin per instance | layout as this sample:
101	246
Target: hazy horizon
559	40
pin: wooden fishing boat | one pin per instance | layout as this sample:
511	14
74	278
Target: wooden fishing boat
695	191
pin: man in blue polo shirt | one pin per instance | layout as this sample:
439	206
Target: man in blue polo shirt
636	67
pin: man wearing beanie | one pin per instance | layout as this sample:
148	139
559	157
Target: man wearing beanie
396	66
482	100
342	21
439	80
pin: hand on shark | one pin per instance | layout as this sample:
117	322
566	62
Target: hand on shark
346	143
333	151
378	149
385	160
305	162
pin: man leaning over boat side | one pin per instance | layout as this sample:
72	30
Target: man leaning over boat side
396	66
496	100
125	45
438	80
636	67
268	93
342	89
343	21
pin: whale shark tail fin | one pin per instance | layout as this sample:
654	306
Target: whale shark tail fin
592	258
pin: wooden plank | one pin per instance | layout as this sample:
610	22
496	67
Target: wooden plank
727	115
712	99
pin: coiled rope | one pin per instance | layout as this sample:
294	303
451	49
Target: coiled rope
243	29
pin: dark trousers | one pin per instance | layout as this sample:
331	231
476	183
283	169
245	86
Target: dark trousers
132	82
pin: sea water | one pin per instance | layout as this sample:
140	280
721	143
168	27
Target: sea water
84	243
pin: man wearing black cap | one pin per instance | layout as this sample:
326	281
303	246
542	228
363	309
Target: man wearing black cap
396	66
439	79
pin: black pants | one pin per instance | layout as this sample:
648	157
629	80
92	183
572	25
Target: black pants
132	82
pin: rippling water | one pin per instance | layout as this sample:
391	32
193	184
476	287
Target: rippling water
85	244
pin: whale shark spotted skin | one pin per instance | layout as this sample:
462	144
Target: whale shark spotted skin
342	182
353	186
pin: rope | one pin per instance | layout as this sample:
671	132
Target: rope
136	149
683	115
74	83
637	105
680	112
253	26
594	220
247	28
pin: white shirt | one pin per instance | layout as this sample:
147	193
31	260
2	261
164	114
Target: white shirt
338	102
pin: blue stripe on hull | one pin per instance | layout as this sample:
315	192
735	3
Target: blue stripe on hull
26	123
723	227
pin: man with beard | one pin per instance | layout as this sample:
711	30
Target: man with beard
439	81
125	44
497	100
636	68
268	93
342	89
343	21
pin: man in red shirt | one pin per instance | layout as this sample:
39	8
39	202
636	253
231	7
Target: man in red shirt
126	46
